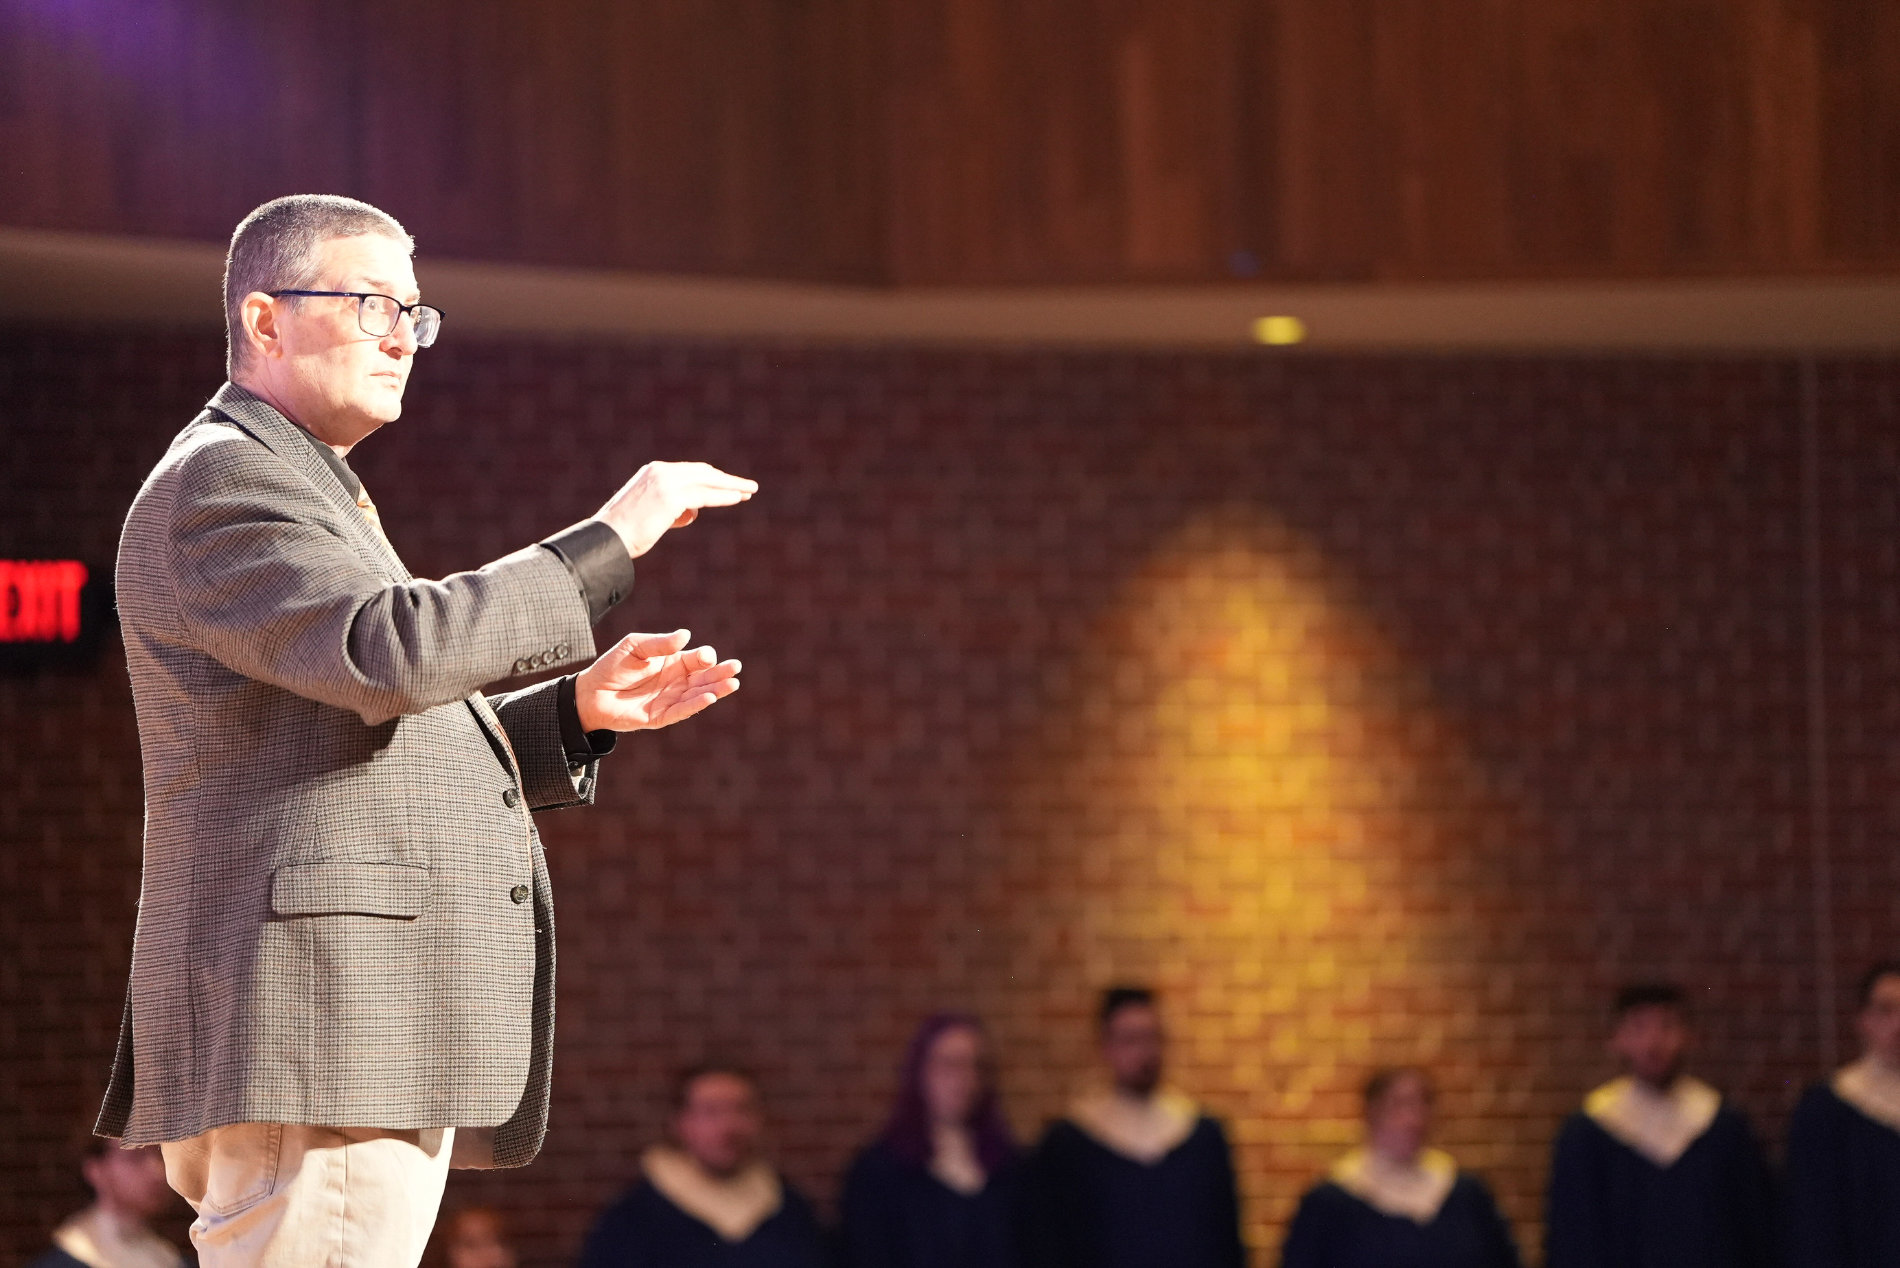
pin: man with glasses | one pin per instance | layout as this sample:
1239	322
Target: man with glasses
343	974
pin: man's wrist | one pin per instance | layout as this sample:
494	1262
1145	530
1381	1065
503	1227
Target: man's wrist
581	744
597	557
626	543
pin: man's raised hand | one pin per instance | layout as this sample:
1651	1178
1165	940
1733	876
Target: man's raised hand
665	495
646	681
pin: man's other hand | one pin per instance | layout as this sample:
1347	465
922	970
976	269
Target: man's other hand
665	495
646	681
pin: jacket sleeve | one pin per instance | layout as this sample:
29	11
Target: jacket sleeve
266	582
551	777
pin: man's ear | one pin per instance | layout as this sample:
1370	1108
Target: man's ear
257	314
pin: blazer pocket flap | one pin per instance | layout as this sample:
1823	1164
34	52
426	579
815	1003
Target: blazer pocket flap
354	889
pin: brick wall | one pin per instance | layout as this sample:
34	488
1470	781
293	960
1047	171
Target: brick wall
1375	709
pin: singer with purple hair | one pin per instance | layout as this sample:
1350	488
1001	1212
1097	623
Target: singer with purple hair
938	1187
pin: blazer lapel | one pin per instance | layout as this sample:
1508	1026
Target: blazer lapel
289	442
497	734
285	439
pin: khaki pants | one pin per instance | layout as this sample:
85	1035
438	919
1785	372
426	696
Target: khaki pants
283	1195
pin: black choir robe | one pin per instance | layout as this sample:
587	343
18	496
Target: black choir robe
1843	1186
1095	1208
644	1229
1337	1229
1609	1206
898	1215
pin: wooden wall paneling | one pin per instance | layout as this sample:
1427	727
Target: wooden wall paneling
1783	84
1368	140
167	116
690	136
1575	123
483	130
948	111
1860	130
1447	84
1331	206
982	142
1064	141
1691	63
1177	96
803	158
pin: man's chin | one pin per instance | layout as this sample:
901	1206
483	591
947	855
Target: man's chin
386	410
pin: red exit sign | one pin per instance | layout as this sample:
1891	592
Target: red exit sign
42	601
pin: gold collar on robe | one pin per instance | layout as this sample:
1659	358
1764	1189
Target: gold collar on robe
1141	1129
94	1239
1415	1192
731	1206
1658	1125
1871	1088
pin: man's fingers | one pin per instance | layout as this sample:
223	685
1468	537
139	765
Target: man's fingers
666	495
718	689
700	700
682	673
667	664
714	673
712	495
713	477
709	486
648	646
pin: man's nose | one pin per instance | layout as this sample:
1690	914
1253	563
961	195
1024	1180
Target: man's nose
403	338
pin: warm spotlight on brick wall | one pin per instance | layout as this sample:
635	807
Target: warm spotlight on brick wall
1252	800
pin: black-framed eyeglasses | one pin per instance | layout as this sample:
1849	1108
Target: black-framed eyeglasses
379	315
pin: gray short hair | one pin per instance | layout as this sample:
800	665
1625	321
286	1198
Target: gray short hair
275	249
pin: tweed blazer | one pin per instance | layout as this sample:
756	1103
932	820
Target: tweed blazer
345	916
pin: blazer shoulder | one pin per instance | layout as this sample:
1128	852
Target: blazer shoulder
213	450
209	451
214	463
174	476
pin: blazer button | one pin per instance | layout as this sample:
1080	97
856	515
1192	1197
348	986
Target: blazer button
510	798
522	666
562	651
519	893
